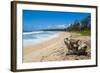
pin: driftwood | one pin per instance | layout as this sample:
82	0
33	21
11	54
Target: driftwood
75	47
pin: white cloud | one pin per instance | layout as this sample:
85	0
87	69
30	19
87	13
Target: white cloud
58	26
61	26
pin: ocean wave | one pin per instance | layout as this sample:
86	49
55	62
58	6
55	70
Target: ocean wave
38	37
34	32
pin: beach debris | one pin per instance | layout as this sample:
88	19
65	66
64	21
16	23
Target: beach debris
75	47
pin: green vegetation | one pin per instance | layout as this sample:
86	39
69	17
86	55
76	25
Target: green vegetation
86	33
83	27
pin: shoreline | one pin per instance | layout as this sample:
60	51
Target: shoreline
40	40
47	50
46	42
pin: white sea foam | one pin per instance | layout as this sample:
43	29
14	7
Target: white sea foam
32	38
25	33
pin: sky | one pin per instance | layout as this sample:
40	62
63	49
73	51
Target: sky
36	20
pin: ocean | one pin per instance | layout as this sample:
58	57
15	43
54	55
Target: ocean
36	37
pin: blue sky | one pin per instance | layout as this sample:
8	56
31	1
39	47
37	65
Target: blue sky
35	20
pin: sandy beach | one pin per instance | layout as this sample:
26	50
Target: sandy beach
52	50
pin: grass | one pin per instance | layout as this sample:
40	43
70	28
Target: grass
85	33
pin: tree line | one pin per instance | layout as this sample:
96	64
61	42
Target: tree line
84	24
